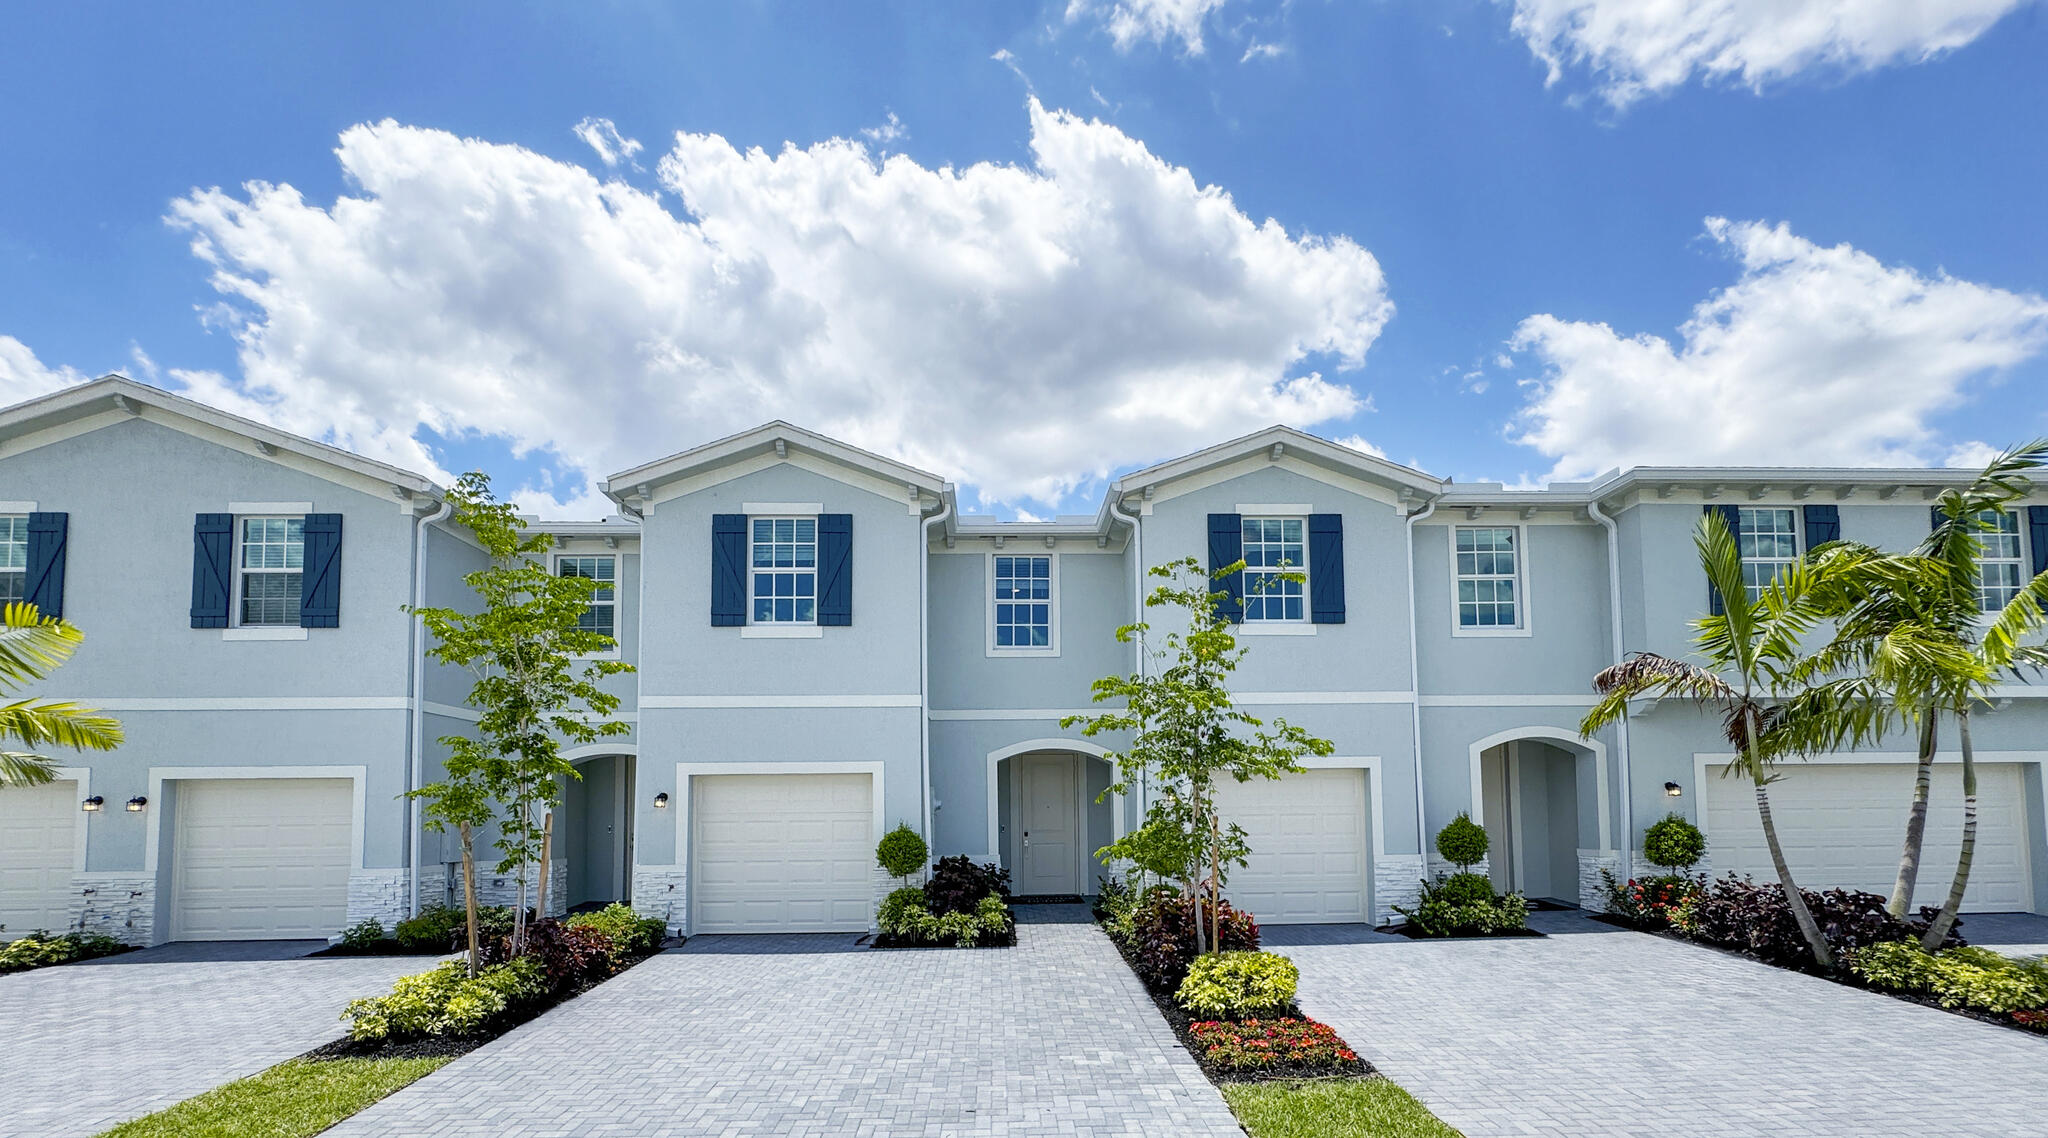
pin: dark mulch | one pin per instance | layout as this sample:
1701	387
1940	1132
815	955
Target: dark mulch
1179	1021
1413	933
884	940
1050	899
386	947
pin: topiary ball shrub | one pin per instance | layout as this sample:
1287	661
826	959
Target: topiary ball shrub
1238	985
901	852
1463	842
1467	889
1674	843
1162	938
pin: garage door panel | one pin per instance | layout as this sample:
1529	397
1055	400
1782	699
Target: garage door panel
38	851
1841	825
1308	835
782	853
261	859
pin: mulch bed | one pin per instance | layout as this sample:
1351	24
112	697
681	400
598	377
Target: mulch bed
386	947
1413	933
1180	1022
884	940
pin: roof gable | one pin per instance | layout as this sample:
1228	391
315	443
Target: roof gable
763	446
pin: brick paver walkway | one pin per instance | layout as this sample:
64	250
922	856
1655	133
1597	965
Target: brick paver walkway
812	1036
1596	1031
84	1046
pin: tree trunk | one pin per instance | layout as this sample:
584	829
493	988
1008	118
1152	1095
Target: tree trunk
469	890
1946	919
1793	897
1916	819
1215	877
547	847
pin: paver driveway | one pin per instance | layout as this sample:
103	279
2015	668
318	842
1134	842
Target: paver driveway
805	1035
84	1046
1596	1031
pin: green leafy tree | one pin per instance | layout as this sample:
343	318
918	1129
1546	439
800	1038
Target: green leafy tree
537	685
1186	735
31	647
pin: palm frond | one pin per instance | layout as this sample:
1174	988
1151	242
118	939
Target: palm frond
1729	636
59	724
31	644
18	768
2021	616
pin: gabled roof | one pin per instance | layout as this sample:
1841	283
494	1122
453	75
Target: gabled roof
118	393
777	438
1289	443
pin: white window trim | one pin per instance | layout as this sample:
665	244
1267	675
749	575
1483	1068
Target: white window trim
1524	613
1245	623
255	509
6	512
748	630
2019	562
555	567
18	507
990	647
263	631
1798	532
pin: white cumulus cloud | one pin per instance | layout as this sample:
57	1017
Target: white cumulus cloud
1020	328
1634	48
23	376
1815	356
887	131
1132	22
604	138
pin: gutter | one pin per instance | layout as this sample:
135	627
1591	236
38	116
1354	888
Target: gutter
1626	844
924	659
416	744
1415	688
1115	503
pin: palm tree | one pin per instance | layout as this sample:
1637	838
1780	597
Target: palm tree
1748	651
31	647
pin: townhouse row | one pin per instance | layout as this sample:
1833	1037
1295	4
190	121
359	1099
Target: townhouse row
826	647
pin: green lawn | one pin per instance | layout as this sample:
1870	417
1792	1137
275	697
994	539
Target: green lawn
1333	1108
294	1099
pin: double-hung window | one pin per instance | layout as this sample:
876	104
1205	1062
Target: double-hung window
1024	599
1275	550
783	573
1998	564
270	561
599	615
13	558
1489	578
1768	539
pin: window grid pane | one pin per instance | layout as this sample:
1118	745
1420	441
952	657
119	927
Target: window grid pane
1023	602
1487	572
1768	540
598	616
1998	567
13	558
1273	546
785	577
272	565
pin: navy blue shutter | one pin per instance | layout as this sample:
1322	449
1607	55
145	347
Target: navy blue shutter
1732	516
47	534
1226	547
213	553
728	570
1935	516
1823	525
320	583
2037	536
835	570
1326	568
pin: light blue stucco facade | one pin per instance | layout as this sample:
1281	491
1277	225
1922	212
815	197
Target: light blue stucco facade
909	711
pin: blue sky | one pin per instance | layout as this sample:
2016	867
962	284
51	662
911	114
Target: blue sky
1480	269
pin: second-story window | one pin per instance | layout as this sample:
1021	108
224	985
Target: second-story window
1769	541
1022	597
1489	578
599	615
1998	565
1274	550
784	570
13	558
271	564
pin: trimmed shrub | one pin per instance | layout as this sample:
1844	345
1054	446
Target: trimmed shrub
1238	985
1674	843
1467	889
1647	903
1735	912
631	934
904	919
957	885
1464	904
40	950
901	852
568	956
363	935
446	1001
1462	842
1162	936
1113	898
1974	978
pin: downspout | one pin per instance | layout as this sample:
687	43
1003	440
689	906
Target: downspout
924	658
1137	617
417	744
1415	688
1625	851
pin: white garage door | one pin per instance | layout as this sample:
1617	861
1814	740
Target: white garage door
782	853
1308	837
261	858
38	848
1841	825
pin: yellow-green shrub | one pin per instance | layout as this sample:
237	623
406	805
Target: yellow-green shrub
1238	985
1974	978
445	1001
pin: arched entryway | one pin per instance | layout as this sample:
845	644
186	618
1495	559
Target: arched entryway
596	832
1048	815
1541	794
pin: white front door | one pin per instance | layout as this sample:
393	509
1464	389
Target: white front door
38	846
261	858
782	853
1047	798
